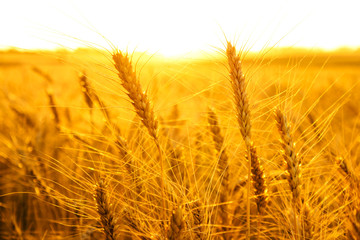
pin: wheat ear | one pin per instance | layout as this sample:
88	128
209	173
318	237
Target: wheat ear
27	118
198	220
222	165
307	223
143	108
91	97
105	211
241	101
177	224
290	157
292	162
349	174
238	84
53	107
354	216
140	100
124	152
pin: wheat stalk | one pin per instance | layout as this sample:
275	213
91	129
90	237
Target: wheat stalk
43	74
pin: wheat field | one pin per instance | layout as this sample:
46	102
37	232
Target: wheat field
232	145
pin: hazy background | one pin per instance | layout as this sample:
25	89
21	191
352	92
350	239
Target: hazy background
178	27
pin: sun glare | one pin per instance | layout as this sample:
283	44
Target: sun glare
178	27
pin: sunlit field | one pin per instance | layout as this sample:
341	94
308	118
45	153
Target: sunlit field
227	145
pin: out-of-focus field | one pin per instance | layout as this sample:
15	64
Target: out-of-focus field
56	144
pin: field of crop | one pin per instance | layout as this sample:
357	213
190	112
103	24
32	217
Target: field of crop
230	145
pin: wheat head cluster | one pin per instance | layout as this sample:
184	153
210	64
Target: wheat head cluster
244	155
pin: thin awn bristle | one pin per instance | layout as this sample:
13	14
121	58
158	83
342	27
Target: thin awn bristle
125	154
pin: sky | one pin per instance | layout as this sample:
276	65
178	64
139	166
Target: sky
172	27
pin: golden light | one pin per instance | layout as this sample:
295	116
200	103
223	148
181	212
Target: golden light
178	27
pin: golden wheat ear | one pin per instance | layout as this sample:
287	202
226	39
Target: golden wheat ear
144	110
290	157
308	226
220	148
105	211
353	219
294	175
198	220
139	98
222	166
241	102
177	224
